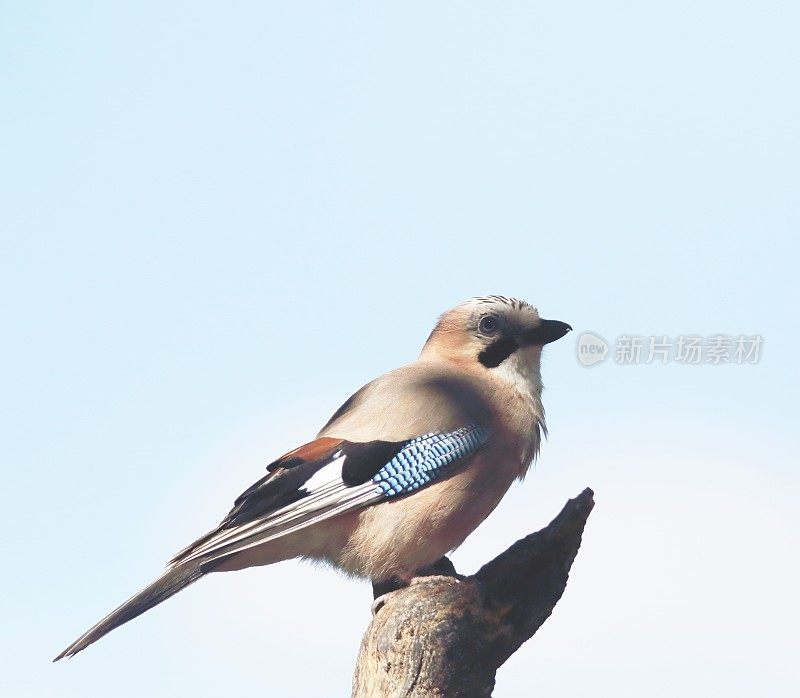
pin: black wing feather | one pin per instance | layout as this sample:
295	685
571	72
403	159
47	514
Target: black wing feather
363	460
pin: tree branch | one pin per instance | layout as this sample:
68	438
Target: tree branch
446	635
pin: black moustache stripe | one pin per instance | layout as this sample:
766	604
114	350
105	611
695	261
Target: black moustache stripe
497	352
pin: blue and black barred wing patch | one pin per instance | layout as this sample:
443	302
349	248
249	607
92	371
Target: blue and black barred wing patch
425	458
329	477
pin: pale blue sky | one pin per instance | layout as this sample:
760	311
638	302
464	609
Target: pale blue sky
218	220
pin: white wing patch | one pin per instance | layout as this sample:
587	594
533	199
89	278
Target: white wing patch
330	474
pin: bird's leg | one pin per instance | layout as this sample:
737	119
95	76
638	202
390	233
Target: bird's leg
387	586
383	589
443	567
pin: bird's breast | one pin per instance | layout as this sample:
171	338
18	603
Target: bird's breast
397	538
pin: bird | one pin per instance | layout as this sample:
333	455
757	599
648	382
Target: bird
401	473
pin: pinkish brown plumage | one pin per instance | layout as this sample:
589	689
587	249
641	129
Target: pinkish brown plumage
401	474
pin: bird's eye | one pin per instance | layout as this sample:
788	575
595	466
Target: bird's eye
488	324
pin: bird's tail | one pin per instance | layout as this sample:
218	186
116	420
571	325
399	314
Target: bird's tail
171	582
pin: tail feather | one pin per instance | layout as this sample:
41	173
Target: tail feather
171	582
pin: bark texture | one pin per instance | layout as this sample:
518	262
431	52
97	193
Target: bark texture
446	635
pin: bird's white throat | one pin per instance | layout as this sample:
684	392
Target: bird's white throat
521	372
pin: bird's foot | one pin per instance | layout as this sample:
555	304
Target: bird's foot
442	569
379	602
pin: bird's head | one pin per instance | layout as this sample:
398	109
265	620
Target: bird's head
490	331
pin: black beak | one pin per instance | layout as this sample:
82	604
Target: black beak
547	331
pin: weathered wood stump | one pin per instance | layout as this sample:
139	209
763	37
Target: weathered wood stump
446	635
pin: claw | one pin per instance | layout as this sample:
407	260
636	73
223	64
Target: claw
379	603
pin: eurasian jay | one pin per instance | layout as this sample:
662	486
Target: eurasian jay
403	471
